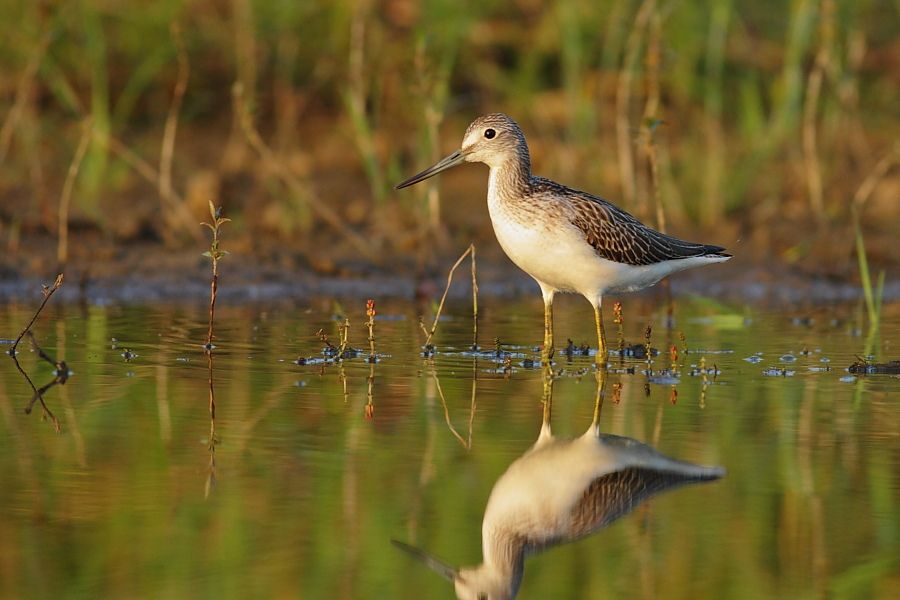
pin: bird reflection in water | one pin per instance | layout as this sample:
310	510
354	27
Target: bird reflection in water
559	491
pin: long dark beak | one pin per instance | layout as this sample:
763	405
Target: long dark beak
442	165
435	564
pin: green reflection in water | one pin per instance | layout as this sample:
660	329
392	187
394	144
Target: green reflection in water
319	466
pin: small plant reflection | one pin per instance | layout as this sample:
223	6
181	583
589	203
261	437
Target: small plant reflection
338	354
428	347
467	441
61	375
215	253
212	441
46	293
61	371
559	491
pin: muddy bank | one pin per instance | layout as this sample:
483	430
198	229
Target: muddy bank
147	274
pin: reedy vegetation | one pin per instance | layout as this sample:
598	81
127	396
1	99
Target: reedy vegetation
761	111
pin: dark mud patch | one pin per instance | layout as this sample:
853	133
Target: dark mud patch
149	273
869	368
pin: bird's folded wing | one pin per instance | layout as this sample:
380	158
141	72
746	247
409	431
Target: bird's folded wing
619	237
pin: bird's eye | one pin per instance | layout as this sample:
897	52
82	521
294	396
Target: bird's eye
489	133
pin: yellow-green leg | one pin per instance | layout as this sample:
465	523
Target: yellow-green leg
602	350
547	351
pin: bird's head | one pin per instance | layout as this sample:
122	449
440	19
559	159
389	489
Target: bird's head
470	583
492	139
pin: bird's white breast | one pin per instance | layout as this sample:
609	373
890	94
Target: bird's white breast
542	243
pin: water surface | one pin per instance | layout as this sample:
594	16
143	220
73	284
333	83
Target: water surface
314	468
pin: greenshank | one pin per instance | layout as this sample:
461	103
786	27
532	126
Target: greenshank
559	491
567	240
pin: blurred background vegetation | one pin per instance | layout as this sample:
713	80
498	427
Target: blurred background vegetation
760	125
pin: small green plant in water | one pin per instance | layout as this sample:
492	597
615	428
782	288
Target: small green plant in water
214	253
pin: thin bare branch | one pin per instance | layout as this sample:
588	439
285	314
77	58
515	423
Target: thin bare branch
47	292
474	301
437	316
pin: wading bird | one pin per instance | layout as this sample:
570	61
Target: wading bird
567	240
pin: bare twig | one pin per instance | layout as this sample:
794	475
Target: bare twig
344	337
171	128
474	301
469	250
46	292
291	180
62	247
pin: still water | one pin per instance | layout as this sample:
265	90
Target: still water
307	473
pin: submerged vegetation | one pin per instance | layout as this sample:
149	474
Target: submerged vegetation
758	120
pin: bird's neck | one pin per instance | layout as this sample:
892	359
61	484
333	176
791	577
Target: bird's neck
504	554
510	178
